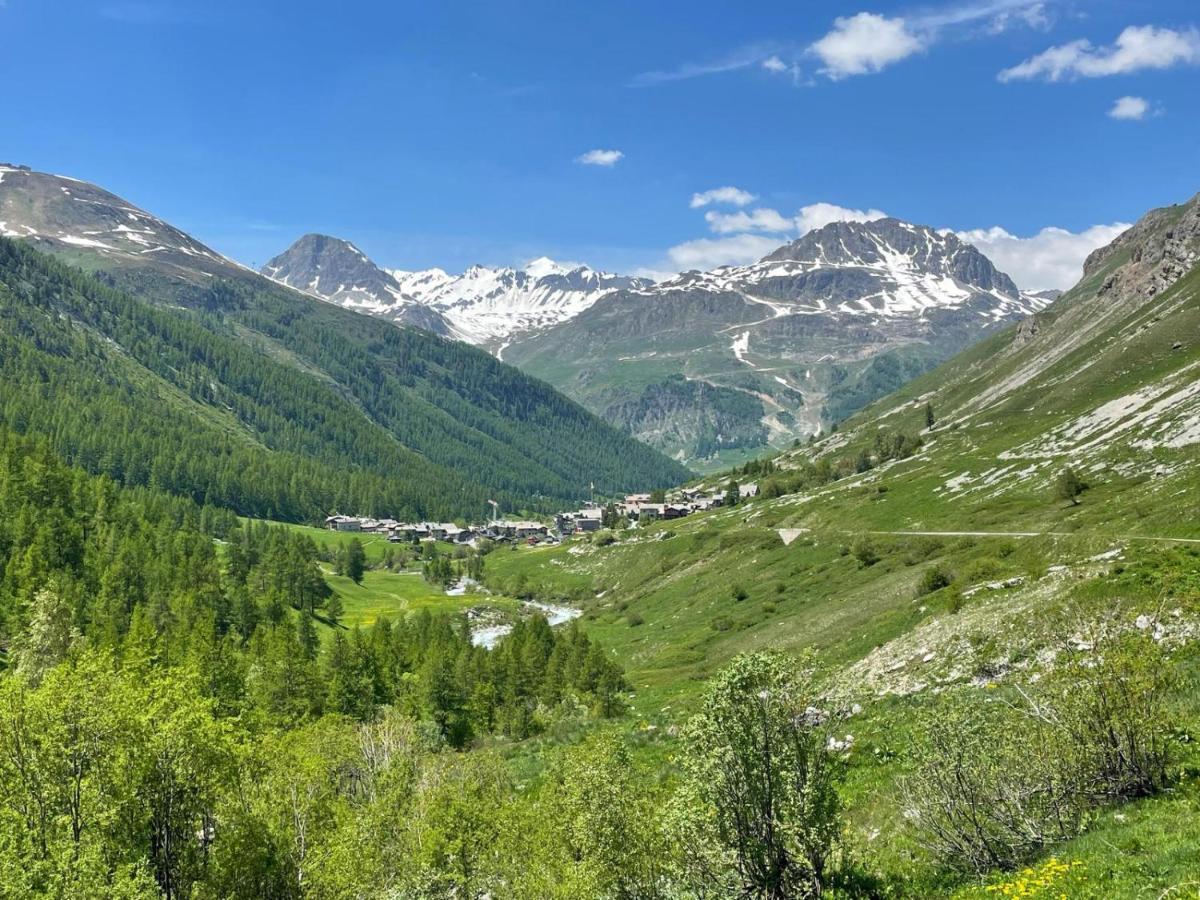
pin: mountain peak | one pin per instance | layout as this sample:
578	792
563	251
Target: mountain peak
484	305
333	269
899	246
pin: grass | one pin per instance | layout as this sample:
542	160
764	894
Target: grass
675	601
396	594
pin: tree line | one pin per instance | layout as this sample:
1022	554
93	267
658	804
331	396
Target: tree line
257	402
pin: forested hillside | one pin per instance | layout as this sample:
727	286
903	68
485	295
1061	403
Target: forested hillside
258	400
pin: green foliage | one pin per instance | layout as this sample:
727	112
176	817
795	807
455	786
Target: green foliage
264	402
757	812
933	579
997	782
865	552
1068	486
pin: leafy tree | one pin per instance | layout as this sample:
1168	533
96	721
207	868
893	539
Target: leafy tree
1068	486
930	419
757	812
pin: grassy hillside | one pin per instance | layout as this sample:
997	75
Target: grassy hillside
955	572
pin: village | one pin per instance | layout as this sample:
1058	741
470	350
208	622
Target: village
634	509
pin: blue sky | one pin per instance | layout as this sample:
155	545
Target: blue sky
450	133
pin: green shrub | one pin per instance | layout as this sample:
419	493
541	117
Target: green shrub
933	579
995	783
635	619
739	593
721	623
865	552
985	568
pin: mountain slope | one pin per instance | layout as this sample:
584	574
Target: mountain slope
337	271
484	306
494	307
290	406
807	335
1105	381
933	572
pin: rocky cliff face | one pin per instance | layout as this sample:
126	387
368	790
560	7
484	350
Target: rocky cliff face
1162	248
678	413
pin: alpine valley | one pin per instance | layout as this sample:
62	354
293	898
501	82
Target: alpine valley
209	380
709	367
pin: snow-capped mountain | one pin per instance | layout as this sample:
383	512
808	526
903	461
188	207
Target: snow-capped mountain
493	306
880	269
337	271
485	306
727	360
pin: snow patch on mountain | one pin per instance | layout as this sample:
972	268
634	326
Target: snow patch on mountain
896	269
489	306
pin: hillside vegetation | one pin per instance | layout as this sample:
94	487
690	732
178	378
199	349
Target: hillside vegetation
265	402
945	552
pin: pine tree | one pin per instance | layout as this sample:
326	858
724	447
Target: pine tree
356	561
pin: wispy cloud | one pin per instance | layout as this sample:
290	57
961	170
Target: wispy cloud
1138	47
998	14
728	195
605	158
1130	108
742	58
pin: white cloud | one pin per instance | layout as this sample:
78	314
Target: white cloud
818	215
749	235
774	64
728	195
1137	47
766	220
864	43
1131	108
1052	258
606	158
1003	14
771	221
709	253
742	58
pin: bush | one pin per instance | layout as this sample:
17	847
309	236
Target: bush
996	783
721	623
865	552
954	601
739	593
757	812
635	619
604	538
933	579
985	568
